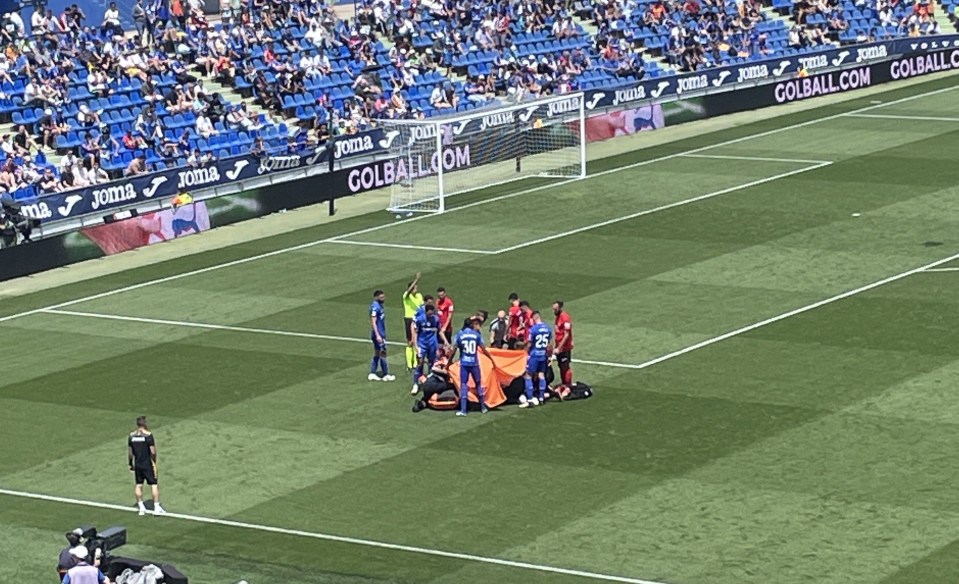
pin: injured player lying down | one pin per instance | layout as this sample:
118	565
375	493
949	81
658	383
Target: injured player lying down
440	393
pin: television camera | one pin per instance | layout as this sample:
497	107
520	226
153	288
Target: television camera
14	221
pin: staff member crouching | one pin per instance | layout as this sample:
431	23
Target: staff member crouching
436	383
84	573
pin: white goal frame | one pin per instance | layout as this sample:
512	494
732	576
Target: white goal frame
547	136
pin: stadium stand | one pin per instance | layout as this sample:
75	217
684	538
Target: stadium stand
152	84
859	21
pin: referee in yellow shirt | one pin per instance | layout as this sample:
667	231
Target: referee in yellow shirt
412	300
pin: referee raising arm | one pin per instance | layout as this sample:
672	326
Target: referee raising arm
142	456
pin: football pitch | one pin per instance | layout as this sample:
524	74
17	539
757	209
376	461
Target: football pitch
766	313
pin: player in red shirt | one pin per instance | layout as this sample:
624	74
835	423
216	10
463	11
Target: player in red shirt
525	320
514	322
444	308
563	330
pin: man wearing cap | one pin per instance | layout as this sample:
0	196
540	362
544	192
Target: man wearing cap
84	573
67	560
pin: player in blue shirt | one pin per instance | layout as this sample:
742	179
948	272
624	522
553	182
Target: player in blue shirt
426	335
469	342
378	336
539	347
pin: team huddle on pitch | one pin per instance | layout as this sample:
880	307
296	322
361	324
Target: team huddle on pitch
432	343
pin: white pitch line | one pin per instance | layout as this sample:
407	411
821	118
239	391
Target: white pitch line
208	326
338	538
661	208
903	117
467	206
755	158
942	269
407	246
262	331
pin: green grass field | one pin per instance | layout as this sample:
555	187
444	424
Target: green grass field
779	402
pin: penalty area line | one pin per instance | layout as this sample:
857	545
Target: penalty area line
941	270
903	117
408	246
262	331
339	539
666	207
756	158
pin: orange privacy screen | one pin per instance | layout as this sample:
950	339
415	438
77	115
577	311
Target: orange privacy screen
509	366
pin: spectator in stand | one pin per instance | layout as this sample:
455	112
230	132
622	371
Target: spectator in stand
88	118
321	134
111	21
184	142
259	147
5	68
7	147
68	161
69	179
12	27
204	127
92	173
438	98
475	93
90	147
136	167
131	142
38	22
8	179
198	159
49	183
23	142
31	93
140	21
98	83
52	125
239	119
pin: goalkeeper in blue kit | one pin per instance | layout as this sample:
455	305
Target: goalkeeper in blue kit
469	342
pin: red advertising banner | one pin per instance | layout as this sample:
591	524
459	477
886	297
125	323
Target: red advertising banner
624	123
148	229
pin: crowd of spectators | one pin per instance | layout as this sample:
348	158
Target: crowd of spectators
691	34
118	102
821	21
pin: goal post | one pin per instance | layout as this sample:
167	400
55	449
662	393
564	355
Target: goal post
436	158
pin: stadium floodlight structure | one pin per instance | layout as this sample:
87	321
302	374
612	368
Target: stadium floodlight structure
436	158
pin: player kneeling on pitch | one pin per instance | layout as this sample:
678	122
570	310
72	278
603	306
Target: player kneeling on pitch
438	390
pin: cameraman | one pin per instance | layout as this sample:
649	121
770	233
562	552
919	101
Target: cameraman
67	559
14	222
82	572
8	231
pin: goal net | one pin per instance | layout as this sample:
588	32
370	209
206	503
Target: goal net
436	158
